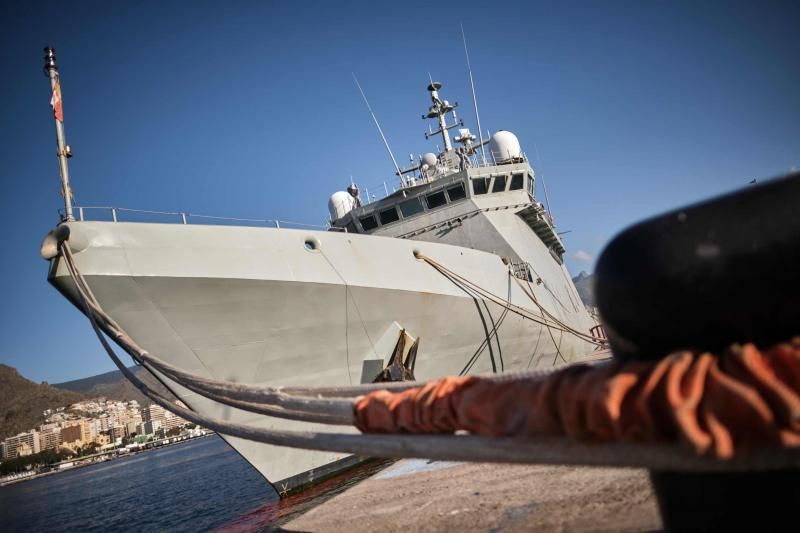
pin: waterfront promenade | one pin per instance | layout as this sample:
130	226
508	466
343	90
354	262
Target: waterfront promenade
108	455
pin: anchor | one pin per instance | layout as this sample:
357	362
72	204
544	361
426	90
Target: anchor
398	368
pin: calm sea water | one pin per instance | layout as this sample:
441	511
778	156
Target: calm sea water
199	485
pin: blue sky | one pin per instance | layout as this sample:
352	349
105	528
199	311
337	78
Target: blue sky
249	109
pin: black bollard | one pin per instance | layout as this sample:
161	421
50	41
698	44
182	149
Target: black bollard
705	276
752	501
701	278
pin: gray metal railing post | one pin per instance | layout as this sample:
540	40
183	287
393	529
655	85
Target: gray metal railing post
278	224
80	213
114	214
183	217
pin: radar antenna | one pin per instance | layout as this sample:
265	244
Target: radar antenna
439	110
377	125
474	98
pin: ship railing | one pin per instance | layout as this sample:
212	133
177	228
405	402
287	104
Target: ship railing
493	159
124	214
379	191
385	190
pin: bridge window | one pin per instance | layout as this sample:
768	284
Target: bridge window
499	184
351	227
389	215
436	199
480	185
456	192
411	207
517	182
368	222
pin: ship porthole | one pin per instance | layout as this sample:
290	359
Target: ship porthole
312	244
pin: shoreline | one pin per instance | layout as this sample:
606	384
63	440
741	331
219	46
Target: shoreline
108	456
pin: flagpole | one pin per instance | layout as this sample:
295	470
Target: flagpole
51	70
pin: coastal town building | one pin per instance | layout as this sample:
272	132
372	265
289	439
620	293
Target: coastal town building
116	432
77	433
154	412
49	438
21	445
165	419
151	426
98	421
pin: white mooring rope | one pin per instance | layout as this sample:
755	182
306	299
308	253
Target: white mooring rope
334	405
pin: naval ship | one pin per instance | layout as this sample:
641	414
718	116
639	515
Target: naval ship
280	306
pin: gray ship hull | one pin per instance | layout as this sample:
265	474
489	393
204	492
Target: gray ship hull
279	307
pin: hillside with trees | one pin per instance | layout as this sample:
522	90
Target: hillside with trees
23	402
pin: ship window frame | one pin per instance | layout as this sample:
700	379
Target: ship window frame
351	227
502	178
388	211
531	185
519	177
482	179
367	217
435	193
460	187
410	201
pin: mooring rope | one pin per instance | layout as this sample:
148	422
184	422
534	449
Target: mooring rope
248	397
521	311
335	405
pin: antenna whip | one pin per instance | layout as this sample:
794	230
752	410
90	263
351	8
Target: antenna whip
377	125
474	98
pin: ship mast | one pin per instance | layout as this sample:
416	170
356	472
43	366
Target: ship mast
439	110
64	152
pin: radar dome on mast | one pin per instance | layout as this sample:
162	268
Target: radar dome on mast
340	203
504	147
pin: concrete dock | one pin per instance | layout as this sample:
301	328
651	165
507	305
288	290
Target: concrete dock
418	495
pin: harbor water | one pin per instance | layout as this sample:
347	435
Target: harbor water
197	486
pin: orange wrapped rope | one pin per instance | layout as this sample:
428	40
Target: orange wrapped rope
717	405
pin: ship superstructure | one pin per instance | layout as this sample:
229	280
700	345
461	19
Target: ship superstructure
465	198
277	306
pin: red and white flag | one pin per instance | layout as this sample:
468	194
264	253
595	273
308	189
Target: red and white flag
55	102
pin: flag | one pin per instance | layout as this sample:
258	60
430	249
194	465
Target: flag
55	102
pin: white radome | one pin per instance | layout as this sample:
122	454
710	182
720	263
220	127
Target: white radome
504	147
429	159
339	204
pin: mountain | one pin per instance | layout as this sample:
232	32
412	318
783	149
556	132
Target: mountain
585	284
114	386
92	384
23	401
